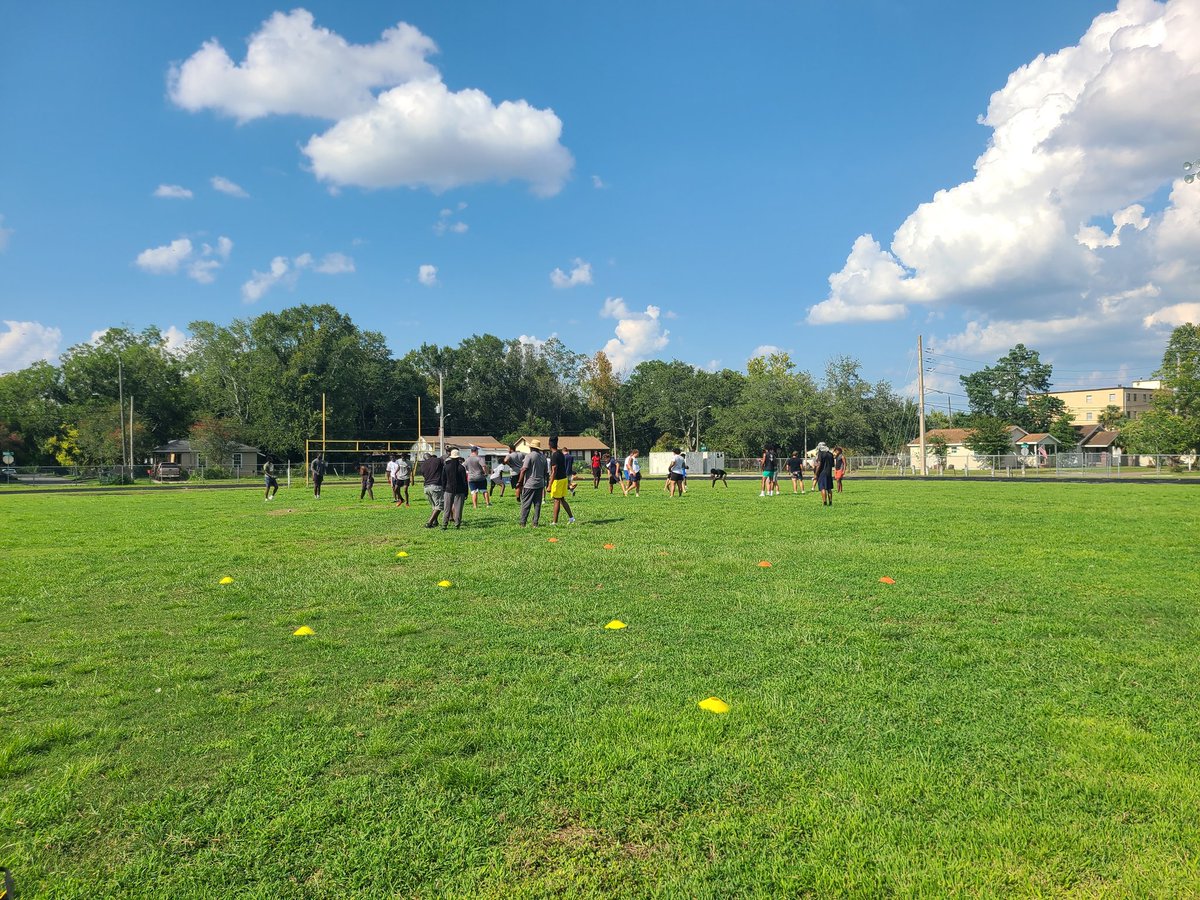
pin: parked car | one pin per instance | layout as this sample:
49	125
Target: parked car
8	475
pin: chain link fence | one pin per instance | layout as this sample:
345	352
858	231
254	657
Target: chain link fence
1008	465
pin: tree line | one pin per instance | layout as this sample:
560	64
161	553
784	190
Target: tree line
260	381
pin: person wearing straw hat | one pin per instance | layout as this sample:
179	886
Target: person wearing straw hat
824	473
532	480
454	489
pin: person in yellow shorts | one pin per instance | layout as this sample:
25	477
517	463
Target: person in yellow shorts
559	477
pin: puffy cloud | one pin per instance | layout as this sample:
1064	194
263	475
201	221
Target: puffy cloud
293	67
1086	135
1173	316
225	186
5	234
427	275
330	264
580	274
176	339
24	343
639	335
395	123
421	134
261	282
201	265
172	192
165	260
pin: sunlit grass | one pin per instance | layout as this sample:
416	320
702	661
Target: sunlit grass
1016	714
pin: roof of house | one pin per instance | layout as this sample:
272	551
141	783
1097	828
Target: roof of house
958	435
568	442
185	446
1101	439
482	441
1111	387
1037	438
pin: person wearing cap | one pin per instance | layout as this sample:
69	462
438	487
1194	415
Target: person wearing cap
454	489
824	473
532	479
431	472
476	478
558	483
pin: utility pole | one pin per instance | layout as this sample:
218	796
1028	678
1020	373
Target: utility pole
921	399
121	405
323	423
132	461
614	430
441	416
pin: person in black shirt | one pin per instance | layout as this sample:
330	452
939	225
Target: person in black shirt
796	469
431	472
318	475
558	483
454	489
824	473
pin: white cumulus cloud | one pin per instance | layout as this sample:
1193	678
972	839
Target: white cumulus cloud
24	343
580	274
396	124
1175	315
261	282
765	350
165	260
639	335
225	186
200	264
176	339
172	192
427	275
1087	135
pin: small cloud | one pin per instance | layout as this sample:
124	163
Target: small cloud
536	343
765	350
261	282
598	183
5	234
581	274
445	222
334	264
24	343
1175	315
165	260
225	186
172	192
713	365
427	275
175	340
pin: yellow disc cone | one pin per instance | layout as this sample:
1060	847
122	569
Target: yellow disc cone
226	580
303	631
402	554
714	705
445	584
615	624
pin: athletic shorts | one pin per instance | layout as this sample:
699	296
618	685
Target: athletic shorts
270	479
613	479
595	471
558	489
675	476
838	473
768	473
635	477
477	486
401	482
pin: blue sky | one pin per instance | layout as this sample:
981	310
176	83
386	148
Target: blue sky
725	177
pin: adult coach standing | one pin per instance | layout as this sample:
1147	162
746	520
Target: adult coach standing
532	480
431	472
318	475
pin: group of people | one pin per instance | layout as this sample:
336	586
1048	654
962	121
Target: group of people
828	469
533	475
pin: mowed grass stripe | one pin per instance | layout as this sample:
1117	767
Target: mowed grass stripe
1016	714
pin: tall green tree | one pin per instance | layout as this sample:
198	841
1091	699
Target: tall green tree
989	437
1005	390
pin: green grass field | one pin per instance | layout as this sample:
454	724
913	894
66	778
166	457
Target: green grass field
1017	715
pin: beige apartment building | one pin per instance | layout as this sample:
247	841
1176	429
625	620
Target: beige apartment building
1085	406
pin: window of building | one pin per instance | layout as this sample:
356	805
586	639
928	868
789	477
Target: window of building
1088	399
1089	417
1112	398
1126	397
237	460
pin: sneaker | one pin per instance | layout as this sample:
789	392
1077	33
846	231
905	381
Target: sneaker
761	494
571	521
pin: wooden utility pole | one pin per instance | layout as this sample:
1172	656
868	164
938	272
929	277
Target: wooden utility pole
921	399
121	404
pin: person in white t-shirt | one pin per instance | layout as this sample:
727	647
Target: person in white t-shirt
499	470
633	476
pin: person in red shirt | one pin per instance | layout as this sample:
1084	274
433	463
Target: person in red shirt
596	469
